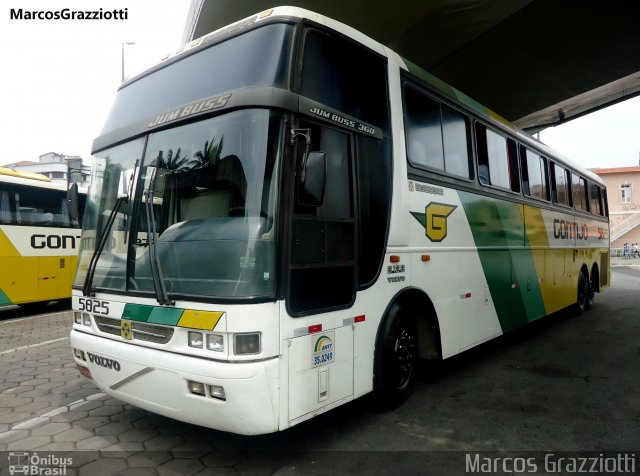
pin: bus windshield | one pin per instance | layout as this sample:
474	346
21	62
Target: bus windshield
199	210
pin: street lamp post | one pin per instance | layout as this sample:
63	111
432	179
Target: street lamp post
122	56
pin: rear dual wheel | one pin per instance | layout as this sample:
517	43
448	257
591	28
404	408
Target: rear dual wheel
585	296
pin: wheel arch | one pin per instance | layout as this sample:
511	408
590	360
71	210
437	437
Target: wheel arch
427	325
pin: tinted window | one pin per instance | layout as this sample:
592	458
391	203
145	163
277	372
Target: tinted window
497	159
437	136
560	185
594	199
41	207
345	76
259	57
579	192
5	205
534	174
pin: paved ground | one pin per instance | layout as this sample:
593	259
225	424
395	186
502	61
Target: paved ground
563	384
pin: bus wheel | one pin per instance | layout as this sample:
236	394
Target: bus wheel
395	358
583	294
591	295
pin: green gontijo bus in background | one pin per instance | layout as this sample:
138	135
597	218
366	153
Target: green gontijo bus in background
39	239
286	215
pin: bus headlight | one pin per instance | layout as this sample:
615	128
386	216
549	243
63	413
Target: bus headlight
86	319
77	317
195	339
215	342
246	344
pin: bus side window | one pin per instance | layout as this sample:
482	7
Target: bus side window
560	185
534	174
438	137
579	192
595	204
497	159
5	207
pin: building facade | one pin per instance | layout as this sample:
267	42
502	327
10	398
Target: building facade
57	167
623	195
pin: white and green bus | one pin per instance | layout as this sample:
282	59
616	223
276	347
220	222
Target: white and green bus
285	215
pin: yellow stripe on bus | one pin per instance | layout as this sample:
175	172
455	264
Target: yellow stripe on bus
205	320
6	247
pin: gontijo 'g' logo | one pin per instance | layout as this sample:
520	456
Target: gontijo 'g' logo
436	220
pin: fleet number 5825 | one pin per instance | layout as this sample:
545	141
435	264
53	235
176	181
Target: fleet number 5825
93	305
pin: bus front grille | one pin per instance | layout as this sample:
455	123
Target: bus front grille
140	330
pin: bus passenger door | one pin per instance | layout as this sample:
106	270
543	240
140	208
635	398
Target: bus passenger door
322	279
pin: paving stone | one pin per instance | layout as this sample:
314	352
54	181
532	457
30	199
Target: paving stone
180	467
50	385
115	428
106	410
50	429
128	446
29	443
163	442
91	422
137	435
96	442
58	446
103	467
13	435
32	407
149	459
73	434
12	418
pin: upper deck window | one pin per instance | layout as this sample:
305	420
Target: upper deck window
345	76
258	57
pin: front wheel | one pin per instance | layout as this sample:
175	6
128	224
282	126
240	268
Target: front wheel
395	358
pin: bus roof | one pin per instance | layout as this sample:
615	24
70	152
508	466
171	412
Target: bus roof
25	175
29	178
434	82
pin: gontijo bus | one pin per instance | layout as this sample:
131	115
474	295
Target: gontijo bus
286	215
39	239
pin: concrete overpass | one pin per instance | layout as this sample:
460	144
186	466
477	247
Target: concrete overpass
537	63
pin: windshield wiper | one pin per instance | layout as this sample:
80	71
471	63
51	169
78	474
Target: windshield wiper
88	282
156	268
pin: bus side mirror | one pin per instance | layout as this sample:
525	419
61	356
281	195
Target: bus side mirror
73	204
312	179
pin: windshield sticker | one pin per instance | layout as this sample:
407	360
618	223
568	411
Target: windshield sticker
203	105
323	350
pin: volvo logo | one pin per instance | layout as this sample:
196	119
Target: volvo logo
104	362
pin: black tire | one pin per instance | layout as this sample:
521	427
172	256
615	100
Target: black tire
395	358
582	295
591	296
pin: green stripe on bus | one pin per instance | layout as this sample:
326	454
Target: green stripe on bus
167	316
137	312
498	231
4	300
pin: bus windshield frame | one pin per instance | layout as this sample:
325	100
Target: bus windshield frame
197	211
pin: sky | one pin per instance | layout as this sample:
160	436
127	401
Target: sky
59	79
